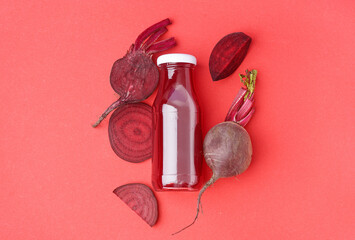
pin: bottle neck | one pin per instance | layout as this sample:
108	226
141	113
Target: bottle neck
177	73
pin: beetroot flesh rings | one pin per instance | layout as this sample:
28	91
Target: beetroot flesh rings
130	132
135	76
228	54
227	146
134	85
140	198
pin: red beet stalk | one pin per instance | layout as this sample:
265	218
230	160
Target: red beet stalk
242	108
149	31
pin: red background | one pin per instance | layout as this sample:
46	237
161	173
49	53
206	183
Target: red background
57	173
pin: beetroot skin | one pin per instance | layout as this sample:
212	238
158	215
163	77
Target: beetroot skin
130	132
140	198
228	54
135	76
227	149
227	146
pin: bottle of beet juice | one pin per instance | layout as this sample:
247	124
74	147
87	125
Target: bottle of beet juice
177	138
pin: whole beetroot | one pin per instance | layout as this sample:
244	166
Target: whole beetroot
227	149
135	76
227	146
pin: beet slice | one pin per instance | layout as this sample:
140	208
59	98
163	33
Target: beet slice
228	54
130	132
135	76
140	198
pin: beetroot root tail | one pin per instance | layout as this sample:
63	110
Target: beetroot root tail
212	180
112	107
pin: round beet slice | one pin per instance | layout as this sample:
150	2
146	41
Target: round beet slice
140	198
130	132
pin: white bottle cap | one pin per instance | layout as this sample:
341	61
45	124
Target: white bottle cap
176	58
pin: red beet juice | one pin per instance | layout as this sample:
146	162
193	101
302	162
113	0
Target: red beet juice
177	137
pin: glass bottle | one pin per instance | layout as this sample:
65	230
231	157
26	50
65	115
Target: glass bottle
177	137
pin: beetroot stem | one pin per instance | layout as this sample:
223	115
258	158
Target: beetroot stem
247	118
152	39
212	180
237	102
149	31
161	46
112	107
242	108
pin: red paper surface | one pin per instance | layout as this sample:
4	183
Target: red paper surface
57	173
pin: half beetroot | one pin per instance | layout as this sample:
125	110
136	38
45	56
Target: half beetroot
130	132
228	54
140	198
135	76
